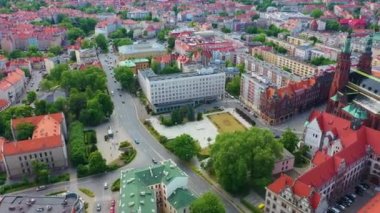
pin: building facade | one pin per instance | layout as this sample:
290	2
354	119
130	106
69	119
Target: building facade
135	64
168	92
344	152
46	145
296	66
12	87
159	188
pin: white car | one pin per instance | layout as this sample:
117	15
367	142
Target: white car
105	185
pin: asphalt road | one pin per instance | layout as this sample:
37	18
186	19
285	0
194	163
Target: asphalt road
125	122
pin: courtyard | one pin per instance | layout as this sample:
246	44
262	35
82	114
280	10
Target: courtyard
205	130
225	122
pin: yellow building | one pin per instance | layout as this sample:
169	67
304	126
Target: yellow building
287	63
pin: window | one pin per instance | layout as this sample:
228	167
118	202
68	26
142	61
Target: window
45	154
22	165
20	158
51	153
25	158
40	155
35	155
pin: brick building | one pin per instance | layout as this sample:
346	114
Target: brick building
344	152
355	93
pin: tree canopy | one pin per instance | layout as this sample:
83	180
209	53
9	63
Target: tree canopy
184	146
289	140
96	163
24	131
101	42
316	13
125	76
244	158
233	86
207	203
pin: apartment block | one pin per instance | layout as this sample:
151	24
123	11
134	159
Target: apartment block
158	188
46	145
168	92
296	66
141	50
12	87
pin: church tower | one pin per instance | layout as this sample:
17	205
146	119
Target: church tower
365	59
343	68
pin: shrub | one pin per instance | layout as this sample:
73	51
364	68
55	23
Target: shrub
87	192
82	170
116	185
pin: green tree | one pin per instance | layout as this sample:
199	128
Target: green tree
244	158
105	103
122	41
40	107
241	68
31	97
41	172
255	17
332	25
233	87
96	163
101	42
86	44
161	35
78	152
260	38
74	33
24	131
171	42
184	146
289	140
125	76
225	29
300	155
55	50
316	13
156	67
207	203
16	54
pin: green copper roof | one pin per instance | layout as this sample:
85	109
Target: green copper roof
133	62
356	112
347	44
135	194
334	98
181	198
140	60
127	63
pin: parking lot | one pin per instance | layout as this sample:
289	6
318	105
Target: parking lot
359	201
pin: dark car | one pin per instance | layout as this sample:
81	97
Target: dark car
366	186
351	196
154	161
137	142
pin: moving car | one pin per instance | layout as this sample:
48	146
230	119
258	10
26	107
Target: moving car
98	207
40	188
105	185
154	161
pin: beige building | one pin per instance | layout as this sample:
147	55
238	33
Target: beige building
288	63
141	50
46	145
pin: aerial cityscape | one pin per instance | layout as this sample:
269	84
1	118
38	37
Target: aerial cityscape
190	106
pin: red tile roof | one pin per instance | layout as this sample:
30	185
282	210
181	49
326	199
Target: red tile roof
36	119
46	135
33	145
299	188
372	206
319	158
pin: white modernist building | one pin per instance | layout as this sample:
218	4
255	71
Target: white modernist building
168	92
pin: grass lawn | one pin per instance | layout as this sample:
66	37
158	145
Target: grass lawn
225	122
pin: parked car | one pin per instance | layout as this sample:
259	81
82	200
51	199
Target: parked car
40	188
352	196
349	198
136	141
154	161
340	207
366	186
98	207
105	185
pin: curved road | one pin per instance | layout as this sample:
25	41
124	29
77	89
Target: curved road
126	123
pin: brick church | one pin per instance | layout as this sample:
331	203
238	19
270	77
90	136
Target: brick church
355	93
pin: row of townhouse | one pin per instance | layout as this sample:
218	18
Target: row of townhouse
12	86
